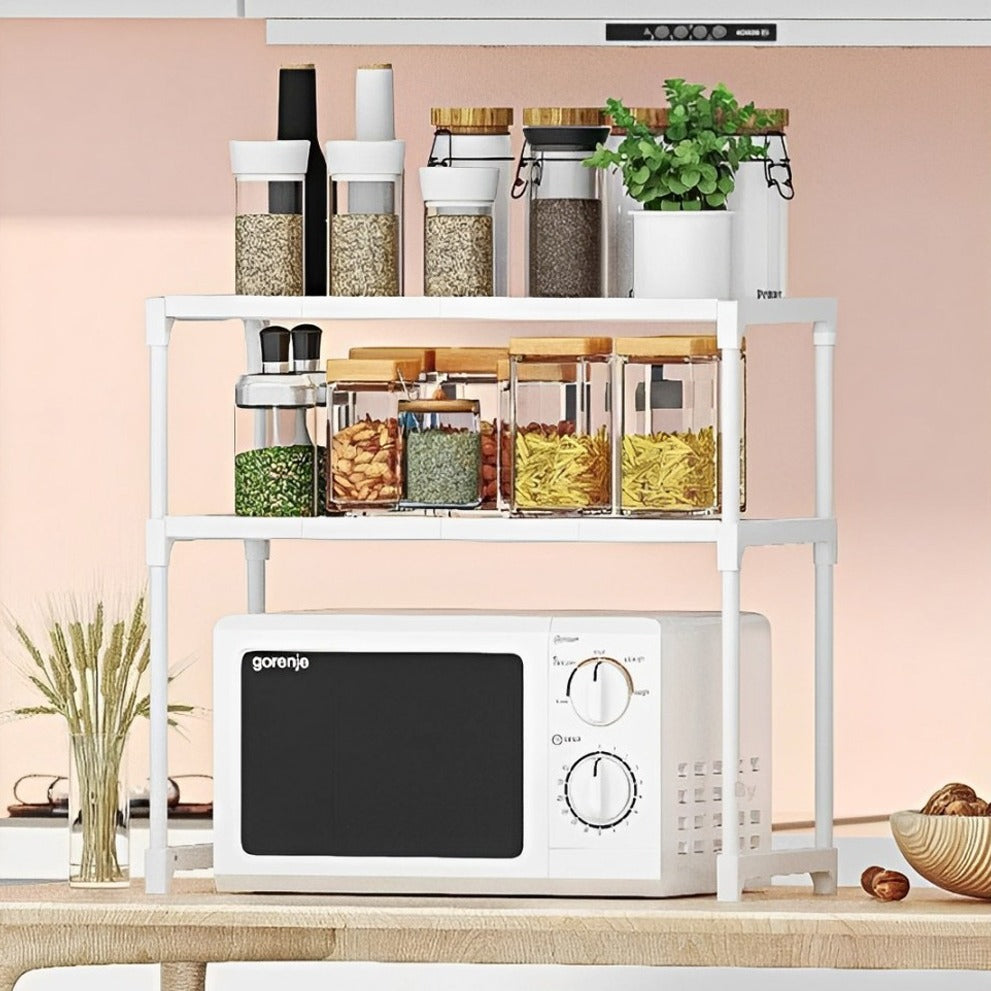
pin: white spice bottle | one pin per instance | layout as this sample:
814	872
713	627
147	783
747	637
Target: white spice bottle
478	137
458	206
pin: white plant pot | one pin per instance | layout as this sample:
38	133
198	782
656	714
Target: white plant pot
682	254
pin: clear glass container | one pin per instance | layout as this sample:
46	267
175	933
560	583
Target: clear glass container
442	454
504	442
366	217
363	396
275	457
472	373
561	425
458	206
670	447
268	232
478	137
564	219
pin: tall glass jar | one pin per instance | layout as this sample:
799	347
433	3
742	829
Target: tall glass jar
442	454
478	137
472	373
670	444
564	201
561	425
275	457
364	470
504	440
366	235
457	231
268	241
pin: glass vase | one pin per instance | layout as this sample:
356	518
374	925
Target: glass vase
99	811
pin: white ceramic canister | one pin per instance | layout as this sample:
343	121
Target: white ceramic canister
478	137
760	231
374	120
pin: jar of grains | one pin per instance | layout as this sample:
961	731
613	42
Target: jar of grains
268	241
561	425
670	448
564	205
442	453
275	458
472	373
366	237
363	431
457	230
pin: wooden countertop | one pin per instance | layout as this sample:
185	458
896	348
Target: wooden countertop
52	925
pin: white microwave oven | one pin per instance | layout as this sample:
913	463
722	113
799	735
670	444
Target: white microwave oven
481	753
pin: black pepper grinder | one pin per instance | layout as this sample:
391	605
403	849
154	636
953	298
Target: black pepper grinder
275	351
306	347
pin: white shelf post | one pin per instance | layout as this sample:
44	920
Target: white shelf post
256	552
157	329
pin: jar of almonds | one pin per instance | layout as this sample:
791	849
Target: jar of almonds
363	398
561	425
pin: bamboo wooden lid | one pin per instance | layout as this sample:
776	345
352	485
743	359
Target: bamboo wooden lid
674	346
559	347
531	372
471	361
425	356
473	120
371	370
438	406
563	117
656	119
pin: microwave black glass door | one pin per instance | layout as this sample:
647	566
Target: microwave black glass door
382	755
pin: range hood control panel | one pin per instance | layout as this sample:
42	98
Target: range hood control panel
686	31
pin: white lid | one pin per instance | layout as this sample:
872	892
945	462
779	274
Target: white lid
450	184
365	159
264	158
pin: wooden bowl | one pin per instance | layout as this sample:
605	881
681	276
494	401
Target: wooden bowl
953	852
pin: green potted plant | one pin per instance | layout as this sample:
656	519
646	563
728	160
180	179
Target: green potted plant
682	178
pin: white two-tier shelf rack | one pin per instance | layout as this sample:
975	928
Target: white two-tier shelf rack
730	534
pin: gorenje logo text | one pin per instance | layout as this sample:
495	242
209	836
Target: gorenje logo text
291	662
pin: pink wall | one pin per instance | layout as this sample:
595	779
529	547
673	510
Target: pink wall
114	186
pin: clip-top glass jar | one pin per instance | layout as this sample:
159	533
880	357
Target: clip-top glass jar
478	137
442	454
363	397
564	202
670	445
268	242
275	458
366	226
457	231
561	424
472	373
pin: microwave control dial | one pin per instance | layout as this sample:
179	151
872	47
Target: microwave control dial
600	690
600	790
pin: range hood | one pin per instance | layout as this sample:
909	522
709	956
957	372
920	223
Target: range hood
662	23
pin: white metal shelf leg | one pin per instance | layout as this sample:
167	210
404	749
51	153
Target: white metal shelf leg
255	555
824	340
157	330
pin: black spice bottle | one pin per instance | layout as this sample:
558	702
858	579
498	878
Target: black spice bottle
298	121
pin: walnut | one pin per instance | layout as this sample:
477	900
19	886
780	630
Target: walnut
977	807
953	792
867	878
890	886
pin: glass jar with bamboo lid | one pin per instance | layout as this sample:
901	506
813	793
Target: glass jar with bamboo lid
561	425
669	446
364	469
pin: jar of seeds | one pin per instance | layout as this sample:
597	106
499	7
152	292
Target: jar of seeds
457	230
366	237
564	201
561	425
363	398
472	373
275	457
442	454
268	241
669	445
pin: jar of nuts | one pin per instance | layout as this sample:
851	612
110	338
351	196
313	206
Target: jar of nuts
669	445
561	425
363	398
442	454
473	373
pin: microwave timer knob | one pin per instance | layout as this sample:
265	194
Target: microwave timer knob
600	790
599	690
